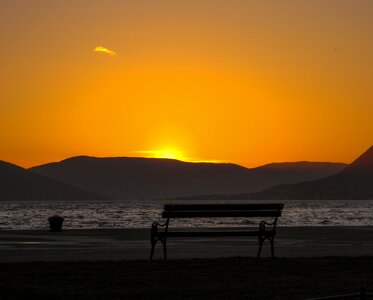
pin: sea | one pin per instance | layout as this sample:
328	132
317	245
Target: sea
26	215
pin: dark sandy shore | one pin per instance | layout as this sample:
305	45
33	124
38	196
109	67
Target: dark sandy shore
222	278
131	244
113	264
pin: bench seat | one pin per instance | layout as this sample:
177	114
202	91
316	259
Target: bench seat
215	233
220	213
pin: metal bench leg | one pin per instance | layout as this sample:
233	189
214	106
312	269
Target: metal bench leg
164	248
155	237
152	251
260	240
272	247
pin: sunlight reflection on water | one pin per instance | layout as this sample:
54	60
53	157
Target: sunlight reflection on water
140	214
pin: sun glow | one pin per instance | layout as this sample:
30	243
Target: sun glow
164	153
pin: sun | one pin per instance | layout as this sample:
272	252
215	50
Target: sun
168	153
171	153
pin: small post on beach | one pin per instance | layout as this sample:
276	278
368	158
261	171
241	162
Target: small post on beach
55	223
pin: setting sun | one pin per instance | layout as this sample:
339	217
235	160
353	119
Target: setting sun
164	153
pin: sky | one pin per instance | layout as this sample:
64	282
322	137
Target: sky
247	82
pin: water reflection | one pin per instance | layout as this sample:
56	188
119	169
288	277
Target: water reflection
140	214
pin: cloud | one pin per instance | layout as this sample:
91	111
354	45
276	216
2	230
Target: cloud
101	49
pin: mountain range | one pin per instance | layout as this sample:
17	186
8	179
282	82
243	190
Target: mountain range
17	183
353	182
126	178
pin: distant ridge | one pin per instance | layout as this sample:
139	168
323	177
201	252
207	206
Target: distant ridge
362	166
17	183
353	182
128	178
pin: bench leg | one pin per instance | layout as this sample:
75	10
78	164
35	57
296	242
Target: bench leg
164	248
152	251
272	247
260	240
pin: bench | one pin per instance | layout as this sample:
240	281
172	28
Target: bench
266	230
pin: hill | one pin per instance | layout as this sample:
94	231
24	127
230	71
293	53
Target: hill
149	178
17	183
353	182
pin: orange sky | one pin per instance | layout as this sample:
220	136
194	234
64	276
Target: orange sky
249	82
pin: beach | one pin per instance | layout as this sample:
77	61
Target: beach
134	244
114	264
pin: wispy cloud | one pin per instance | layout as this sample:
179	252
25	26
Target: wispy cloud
101	49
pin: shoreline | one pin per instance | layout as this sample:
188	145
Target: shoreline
134	244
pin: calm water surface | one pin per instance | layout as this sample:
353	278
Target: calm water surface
140	214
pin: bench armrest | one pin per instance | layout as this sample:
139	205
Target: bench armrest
263	224
157	224
154	228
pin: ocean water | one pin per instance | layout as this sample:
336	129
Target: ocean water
140	214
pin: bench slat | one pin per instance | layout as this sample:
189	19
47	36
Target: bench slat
221	213
215	233
256	206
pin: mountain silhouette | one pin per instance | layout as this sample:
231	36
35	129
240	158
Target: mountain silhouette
149	178
353	182
17	183
362	166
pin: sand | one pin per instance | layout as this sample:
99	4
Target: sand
114	264
221	278
133	244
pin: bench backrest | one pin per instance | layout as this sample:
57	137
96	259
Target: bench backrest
222	210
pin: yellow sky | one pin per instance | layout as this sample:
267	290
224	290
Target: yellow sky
249	82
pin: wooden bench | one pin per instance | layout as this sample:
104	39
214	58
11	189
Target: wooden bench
266	231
